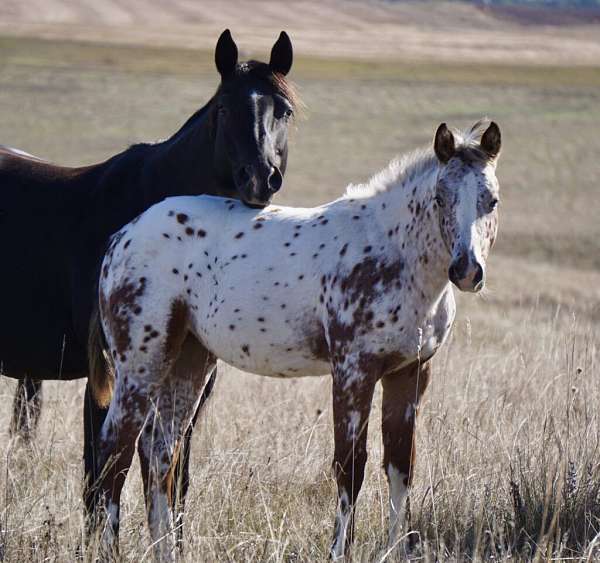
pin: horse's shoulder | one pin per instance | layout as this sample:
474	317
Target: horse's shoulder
116	176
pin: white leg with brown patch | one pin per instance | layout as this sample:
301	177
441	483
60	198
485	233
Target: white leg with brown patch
117	445
397	482
352	395
343	516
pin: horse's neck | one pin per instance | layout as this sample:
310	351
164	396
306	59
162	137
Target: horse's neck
407	218
143	175
183	164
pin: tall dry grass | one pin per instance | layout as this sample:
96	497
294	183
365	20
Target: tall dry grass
508	463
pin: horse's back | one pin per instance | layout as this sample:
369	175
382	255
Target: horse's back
233	269
6	150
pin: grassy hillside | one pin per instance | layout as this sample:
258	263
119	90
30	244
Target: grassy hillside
371	30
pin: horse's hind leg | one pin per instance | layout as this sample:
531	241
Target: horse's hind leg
159	446
27	406
116	447
401	393
182	468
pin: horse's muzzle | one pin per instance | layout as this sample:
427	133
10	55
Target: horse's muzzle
466	274
256	188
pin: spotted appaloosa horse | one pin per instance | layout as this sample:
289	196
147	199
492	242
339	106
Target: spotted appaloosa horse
358	287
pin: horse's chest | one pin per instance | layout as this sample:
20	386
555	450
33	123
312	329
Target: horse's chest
393	326
423	329
435	329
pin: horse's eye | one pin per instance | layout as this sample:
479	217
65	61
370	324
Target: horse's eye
493	204
438	199
282	112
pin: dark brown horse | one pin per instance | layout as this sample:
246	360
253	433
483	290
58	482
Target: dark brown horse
55	223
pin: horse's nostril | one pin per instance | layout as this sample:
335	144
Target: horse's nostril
453	274
458	268
478	277
275	180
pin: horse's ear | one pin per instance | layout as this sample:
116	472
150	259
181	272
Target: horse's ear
226	54
443	145
282	54
491	141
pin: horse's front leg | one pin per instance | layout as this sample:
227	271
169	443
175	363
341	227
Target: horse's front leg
353	388
93	419
27	407
402	391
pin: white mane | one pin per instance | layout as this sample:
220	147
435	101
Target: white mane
405	169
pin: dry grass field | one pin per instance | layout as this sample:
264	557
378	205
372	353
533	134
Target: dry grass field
366	29
509	433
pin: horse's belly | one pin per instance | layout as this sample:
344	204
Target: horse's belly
287	364
274	353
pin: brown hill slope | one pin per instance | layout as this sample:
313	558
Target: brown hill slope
369	29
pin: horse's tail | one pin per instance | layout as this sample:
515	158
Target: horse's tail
101	376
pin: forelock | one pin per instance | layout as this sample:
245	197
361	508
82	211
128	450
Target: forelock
468	146
277	81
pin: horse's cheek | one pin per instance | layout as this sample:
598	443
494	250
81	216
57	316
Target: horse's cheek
494	229
487	233
448	229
